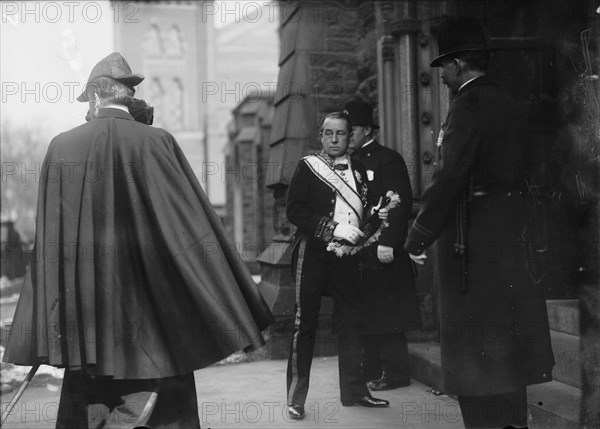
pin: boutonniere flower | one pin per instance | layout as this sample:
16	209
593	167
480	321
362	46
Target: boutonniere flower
357	176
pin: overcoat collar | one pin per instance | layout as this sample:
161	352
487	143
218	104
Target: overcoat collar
479	81
363	151
109	112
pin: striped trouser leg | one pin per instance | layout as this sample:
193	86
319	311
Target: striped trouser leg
309	279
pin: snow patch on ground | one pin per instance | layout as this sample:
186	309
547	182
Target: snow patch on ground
11	376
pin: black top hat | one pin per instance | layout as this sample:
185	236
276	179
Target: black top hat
460	34
115	67
360	113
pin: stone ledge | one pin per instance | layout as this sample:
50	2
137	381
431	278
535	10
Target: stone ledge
425	363
568	363
552	405
563	315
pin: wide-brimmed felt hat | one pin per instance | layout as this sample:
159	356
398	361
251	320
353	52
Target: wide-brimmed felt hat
360	113
115	67
460	34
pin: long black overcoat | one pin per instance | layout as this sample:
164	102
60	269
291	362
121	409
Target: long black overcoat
134	276
493	319
389	288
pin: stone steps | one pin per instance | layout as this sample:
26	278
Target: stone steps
551	405
563	315
426	363
568	363
554	405
567	370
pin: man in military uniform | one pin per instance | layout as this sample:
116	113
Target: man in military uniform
388	275
494	327
327	201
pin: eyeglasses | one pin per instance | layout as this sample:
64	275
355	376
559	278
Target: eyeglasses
339	133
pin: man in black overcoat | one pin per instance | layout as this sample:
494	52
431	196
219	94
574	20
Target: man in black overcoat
328	201
388	275
495	338
134	283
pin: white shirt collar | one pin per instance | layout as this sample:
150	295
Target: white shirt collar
116	106
341	159
368	143
470	80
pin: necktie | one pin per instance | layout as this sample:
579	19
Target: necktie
340	166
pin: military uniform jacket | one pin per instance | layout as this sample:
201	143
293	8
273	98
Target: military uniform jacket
493	321
311	202
390	288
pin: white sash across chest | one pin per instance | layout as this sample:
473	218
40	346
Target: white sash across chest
331	178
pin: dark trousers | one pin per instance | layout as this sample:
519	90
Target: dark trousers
320	272
105	403
385	354
494	411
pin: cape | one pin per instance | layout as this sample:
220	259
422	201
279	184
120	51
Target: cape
133	274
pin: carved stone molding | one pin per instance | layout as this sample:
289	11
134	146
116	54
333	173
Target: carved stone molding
387	48
152	42
406	26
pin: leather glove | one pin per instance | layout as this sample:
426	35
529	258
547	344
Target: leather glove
347	232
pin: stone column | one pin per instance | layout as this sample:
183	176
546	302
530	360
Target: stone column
590	269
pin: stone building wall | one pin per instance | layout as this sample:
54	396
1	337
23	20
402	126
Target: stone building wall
245	62
249	205
168	42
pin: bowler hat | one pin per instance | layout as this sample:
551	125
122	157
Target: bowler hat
360	113
460	34
115	67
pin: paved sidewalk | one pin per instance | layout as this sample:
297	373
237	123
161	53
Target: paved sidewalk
252	395
255	398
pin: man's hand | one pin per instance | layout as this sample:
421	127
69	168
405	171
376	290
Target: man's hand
385	254
347	232
418	259
383	214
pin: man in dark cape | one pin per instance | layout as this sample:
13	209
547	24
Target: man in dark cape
134	283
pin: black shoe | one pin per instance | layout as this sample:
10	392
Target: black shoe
367	401
386	383
296	412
